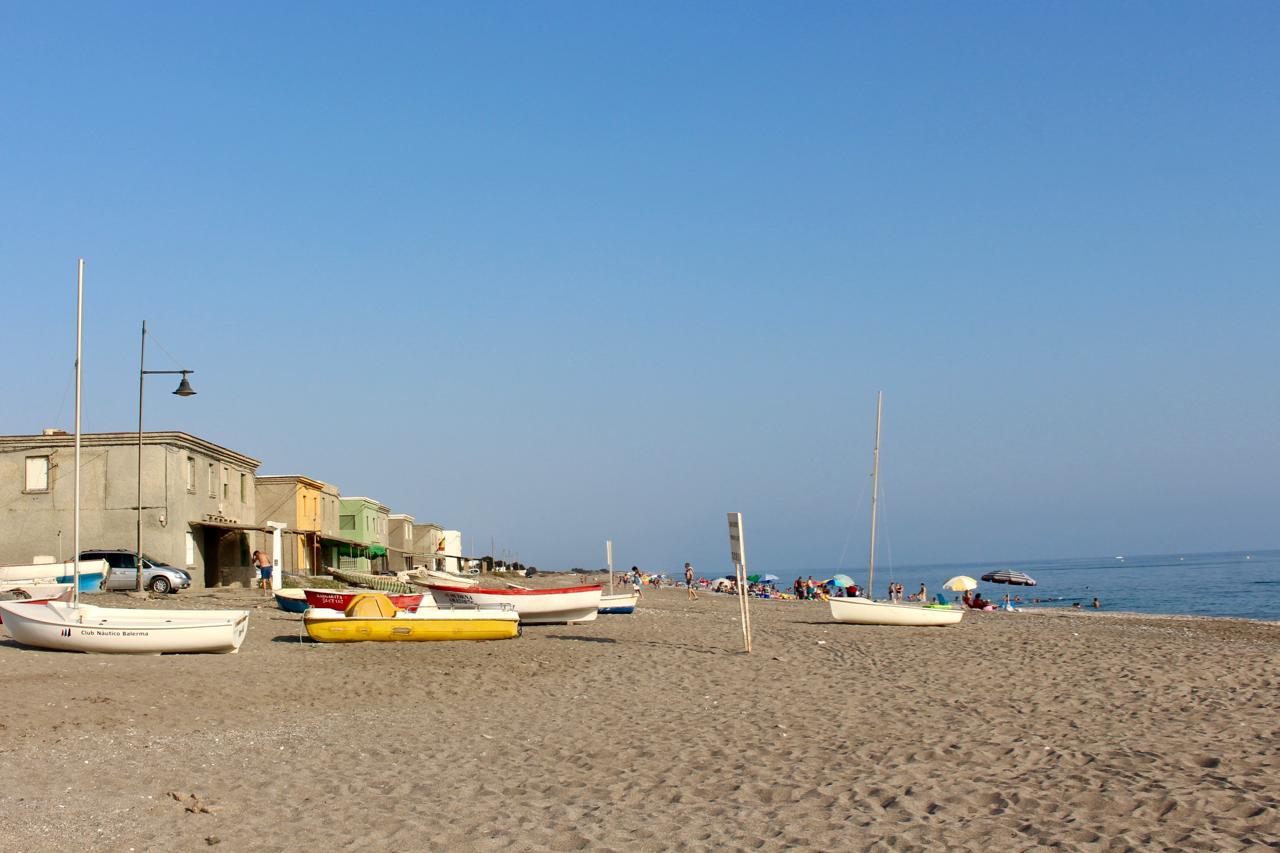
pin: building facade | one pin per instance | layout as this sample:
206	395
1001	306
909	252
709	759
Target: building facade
310	509
198	501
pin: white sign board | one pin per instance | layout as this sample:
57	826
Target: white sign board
735	538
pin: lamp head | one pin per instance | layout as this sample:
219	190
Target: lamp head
184	388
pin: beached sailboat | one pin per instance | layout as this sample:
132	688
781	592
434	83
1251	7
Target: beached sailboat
864	611
623	602
372	617
535	606
72	626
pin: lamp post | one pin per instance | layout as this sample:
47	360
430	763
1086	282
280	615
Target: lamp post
184	390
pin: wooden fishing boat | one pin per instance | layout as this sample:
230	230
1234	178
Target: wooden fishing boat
110	630
425	577
292	600
535	606
624	602
340	599
372	617
381	583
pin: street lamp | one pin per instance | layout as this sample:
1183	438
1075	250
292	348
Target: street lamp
184	390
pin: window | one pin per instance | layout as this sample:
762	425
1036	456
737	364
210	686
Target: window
226	483
191	548
191	473
346	522
243	488
37	474
213	488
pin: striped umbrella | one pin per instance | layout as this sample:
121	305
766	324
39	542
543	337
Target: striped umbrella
1005	576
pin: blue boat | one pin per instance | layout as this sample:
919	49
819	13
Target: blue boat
93	574
292	600
622	603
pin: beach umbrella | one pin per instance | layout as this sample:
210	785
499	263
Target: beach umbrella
842	580
769	578
753	578
961	583
1004	576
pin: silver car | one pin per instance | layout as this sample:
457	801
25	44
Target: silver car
156	576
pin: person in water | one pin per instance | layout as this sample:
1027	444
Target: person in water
1096	603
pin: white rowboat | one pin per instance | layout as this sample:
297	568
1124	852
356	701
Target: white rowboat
535	606
121	631
860	611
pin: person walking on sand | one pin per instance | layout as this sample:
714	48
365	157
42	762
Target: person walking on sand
263	563
924	594
688	582
635	583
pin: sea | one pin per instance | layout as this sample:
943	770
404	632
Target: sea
1244	584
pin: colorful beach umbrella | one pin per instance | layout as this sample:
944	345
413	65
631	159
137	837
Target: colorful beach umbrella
1004	576
842	580
961	583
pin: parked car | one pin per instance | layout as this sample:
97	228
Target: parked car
156	576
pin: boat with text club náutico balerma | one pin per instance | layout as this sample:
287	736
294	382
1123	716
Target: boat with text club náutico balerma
864	611
535	606
72	626
372	617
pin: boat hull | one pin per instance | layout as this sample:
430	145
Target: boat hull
93	574
108	630
861	611
332	599
291	600
535	606
333	626
618	604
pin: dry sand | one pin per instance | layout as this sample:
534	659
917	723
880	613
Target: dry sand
1079	731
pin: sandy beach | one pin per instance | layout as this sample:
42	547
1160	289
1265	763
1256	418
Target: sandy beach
1080	731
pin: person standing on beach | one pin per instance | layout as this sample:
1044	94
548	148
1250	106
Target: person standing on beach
688	582
924	594
635	583
263	563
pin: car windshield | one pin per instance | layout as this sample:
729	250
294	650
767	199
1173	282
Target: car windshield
152	563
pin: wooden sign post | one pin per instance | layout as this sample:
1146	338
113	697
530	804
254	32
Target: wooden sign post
740	570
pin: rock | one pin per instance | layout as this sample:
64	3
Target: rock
212	840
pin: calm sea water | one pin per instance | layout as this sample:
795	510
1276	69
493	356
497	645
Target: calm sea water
1244	584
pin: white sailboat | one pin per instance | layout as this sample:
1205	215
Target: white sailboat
864	611
76	627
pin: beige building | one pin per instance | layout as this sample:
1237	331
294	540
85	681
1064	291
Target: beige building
198	501
309	509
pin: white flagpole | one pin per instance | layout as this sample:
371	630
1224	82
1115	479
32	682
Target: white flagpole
608	547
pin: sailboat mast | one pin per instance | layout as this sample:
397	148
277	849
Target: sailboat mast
75	518
875	491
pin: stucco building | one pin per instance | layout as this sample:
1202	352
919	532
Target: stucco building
198	500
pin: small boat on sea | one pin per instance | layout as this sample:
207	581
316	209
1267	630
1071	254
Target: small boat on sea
624	602
535	606
124	631
372	617
864	611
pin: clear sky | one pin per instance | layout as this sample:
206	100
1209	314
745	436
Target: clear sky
562	273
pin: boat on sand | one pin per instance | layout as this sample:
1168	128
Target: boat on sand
124	631
340	599
623	602
372	617
535	606
863	611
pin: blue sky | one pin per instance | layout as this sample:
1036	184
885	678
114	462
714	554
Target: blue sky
561	273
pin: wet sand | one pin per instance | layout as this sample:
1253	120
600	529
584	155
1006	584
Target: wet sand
1081	731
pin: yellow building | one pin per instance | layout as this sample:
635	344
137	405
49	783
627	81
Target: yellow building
309	509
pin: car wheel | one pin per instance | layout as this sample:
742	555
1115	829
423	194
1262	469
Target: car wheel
161	585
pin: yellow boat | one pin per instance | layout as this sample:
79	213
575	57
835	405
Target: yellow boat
372	616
